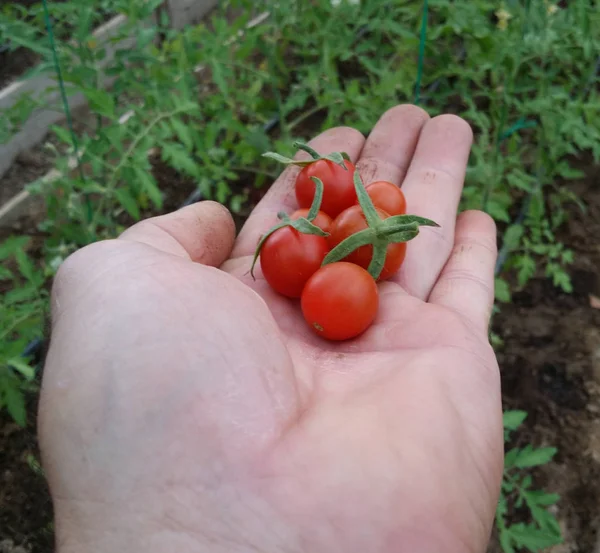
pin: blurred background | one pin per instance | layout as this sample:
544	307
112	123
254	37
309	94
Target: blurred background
114	110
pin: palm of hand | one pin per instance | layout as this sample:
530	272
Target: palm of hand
385	443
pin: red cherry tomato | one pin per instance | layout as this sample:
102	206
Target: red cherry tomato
322	220
351	221
340	301
387	196
338	186
288	258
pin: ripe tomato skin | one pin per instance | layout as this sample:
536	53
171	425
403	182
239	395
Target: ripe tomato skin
387	196
340	301
351	221
288	258
338	186
322	220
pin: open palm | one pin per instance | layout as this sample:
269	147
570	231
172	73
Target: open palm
190	408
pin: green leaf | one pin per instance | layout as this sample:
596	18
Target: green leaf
502	290
12	245
526	269
218	77
183	133
513	419
149	186
506	541
510	457
14	400
530	457
100	101
128	202
22	367
5	273
498	211
180	160
543	498
532	538
545	520
512	237
63	134
223	192
567	172
26	266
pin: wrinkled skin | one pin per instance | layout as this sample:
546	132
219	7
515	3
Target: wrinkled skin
189	408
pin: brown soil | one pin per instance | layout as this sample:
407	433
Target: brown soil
550	365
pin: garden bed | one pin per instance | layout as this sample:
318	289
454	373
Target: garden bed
521	163
550	364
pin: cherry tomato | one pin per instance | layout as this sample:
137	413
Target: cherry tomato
351	221
338	186
387	196
288	258
340	301
322	220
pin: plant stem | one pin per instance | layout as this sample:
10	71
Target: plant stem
309	113
132	147
421	62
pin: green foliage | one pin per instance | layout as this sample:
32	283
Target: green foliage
200	101
21	311
517	494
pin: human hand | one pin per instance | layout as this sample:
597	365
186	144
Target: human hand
189	408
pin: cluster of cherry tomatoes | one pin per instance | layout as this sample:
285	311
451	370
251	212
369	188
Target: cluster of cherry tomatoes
331	252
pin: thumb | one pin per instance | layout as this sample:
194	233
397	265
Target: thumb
203	232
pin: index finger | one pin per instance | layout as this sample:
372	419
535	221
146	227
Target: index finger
281	196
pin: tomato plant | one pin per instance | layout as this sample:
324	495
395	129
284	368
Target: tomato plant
353	220
322	220
288	258
340	301
387	196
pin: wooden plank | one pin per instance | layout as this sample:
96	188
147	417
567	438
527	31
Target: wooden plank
188	12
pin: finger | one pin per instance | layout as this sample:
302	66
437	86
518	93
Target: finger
466	284
391	144
432	188
203	232
281	196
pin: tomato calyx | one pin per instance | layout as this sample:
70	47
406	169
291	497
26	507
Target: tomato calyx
336	157
381	232
303	225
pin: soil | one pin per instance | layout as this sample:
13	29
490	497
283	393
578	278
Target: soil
550	364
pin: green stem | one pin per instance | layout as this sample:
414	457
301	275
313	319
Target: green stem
421	62
318	198
65	102
125	158
380	232
348	245
365	202
255	171
302	225
308	113
306	148
378	259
